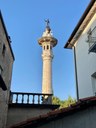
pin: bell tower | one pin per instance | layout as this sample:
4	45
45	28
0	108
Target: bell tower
47	41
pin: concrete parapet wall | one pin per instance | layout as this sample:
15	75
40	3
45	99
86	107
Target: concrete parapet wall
22	112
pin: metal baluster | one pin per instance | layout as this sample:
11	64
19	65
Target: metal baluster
16	98
22	98
44	98
28	99
33	98
38	99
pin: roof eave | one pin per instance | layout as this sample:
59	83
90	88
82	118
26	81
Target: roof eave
6	33
79	23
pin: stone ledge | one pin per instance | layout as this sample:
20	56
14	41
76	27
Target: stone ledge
20	105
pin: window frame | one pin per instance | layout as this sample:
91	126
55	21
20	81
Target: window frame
92	39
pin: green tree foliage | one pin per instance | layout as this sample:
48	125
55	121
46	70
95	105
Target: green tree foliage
63	103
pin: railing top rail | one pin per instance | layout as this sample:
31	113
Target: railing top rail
28	93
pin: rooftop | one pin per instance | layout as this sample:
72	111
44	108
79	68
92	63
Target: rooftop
57	114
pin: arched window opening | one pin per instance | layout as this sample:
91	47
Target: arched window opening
47	47
44	47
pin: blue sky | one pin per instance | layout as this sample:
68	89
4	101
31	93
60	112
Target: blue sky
24	20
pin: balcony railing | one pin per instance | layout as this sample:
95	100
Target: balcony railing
92	39
92	44
30	98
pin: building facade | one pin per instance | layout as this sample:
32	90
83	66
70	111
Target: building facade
6	65
83	43
80	115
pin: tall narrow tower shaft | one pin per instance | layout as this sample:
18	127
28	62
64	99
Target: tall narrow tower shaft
47	57
47	41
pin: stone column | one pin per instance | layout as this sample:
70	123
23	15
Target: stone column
47	72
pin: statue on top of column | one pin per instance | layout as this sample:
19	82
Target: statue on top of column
47	31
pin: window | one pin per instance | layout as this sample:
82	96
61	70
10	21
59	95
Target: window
2	83
3	50
47	47
92	40
44	47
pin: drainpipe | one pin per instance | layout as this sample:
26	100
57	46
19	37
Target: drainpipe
76	76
